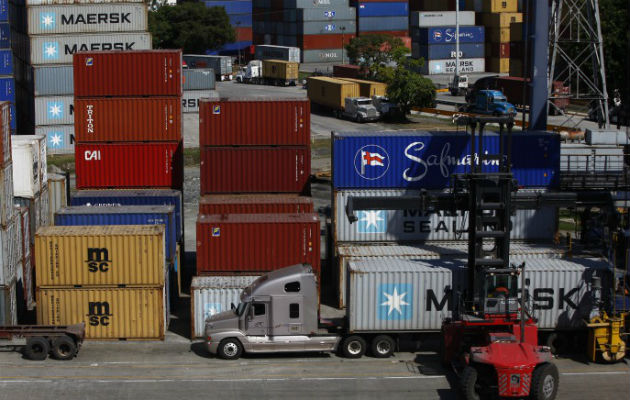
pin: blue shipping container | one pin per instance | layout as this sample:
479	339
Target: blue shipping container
373	24
241	20
232	7
383	9
416	159
446	34
7	89
125	215
5	35
235	46
143	197
6	62
4	10
443	51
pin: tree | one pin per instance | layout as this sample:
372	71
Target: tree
190	26
614	15
406	87
374	52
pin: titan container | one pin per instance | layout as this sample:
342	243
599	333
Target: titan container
446	34
199	79
369	88
440	18
331	92
8	304
255	204
29	165
6	194
271	52
5	132
59	138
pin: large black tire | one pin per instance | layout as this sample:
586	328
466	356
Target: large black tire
353	347
558	343
36	348
469	383
544	382
63	348
230	349
382	346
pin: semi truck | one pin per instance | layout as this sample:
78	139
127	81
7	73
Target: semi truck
342	98
490	102
222	65
269	72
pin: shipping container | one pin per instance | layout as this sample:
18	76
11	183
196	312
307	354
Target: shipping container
499	6
28	283
318	14
416	159
255	204
44	208
498	64
100	256
6	62
318	27
5	133
232	6
324	55
446	51
9	243
7	89
123	215
244	20
428	19
314	3
255	122
280	71
128	119
6	194
53	110
23	217
199	79
252	169
435	5
8	304
5	30
270	52
251	243
59	138
108	313
55	2
29	165
212	295
466	65
499	20
129	165
383	9
192	98
58	192
582	158
369	88
48	80
331	92
18	248
222	65
498	50
347	71
129	73
318	42
447	34
517	31
498	35
375	24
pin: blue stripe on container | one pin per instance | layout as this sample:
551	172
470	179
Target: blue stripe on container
241	20
5	35
383	24
383	9
446	34
444	51
6	62
232	7
412	159
7	89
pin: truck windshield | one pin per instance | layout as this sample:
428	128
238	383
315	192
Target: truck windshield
240	309
364	102
500	99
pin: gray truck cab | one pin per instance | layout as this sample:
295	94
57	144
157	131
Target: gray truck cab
360	109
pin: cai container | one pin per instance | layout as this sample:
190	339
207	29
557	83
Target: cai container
255	204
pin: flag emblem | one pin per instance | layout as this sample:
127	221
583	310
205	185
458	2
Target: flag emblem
371	162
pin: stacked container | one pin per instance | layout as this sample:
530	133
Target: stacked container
44	38
240	14
319	28
389	17
7	69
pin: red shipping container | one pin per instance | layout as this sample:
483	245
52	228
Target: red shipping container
128	73
346	71
255	204
245	243
128	119
318	42
255	122
390	33
5	133
129	165
255	169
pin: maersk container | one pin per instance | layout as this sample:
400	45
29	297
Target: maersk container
447	34
8	304
231	7
59	138
54	110
425	19
124	215
222	65
271	52
419	159
7	89
191	99
199	79
383	9
255	204
374	24
51	80
445	51
139	197
270	122
447	66
6	62
214	294
6	194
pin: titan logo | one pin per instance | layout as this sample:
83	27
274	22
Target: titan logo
98	260
98	313
92	155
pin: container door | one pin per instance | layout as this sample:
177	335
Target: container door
258	319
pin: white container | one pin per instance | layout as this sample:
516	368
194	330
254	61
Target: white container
57	194
54	110
447	66
598	136
271	52
44	208
190	99
28	164
6	194
212	295
425	19
9	242
59	138
23	217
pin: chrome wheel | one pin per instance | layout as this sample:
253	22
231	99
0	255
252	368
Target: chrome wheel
230	349
549	385
354	348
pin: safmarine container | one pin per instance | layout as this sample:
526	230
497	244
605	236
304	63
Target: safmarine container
138	197
253	169
129	73
251	243
6	194
271	52
255	204
416	159
212	295
108	313
59	138
128	119
447	34
100	255
198	79
124	215
129	165
270	121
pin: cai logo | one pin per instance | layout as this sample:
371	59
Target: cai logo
210	309
437	35
372	221
55	139
47	20
50	50
394	301
54	109
371	162
216	109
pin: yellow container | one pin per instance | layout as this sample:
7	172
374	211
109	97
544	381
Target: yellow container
499	6
500	20
331	92
497	35
279	69
108	313
100	255
368	88
498	64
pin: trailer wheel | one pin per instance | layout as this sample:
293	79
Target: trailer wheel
469	383
230	349
558	343
383	346
36	348
353	347
544	382
63	348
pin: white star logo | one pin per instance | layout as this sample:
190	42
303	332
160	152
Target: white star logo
371	218
55	110
51	50
47	20
55	140
394	301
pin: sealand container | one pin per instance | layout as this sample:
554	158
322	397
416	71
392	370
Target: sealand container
79	256
6	194
128	73
5	133
124	215
280	70
331	92
128	119
108	313
253	169
59	138
253	243
271	52
447	66
129	165
29	165
8	304
417	159
212	295
447	34
255	204
445	51
369	88
425	19
198	79
270	122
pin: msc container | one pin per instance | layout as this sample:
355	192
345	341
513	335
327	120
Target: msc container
58	191
6	194
440	18
128	119
29	165
83	18
199	79
279	70
444	51
129	165
192	98
108	313
324	55
436	67
5	132
251	243
212	295
416	159
8	304
375	24
54	110
141	197
383	9
255	122
100	255
369	88
59	138
252	169
124	215
222	65
331	92
447	34
267	52
129	73
499	20
255	204
50	80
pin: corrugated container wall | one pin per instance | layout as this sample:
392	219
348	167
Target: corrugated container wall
199	79
59	138
8	305
331	92
6	194
440	18
5	133
255	204
9	248
51	80
53	110
58	191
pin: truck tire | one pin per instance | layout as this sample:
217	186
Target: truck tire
544	382
469	383
36	348
353	347
230	349
63	348
558	343
383	346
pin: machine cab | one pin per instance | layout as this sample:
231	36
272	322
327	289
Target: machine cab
501	294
